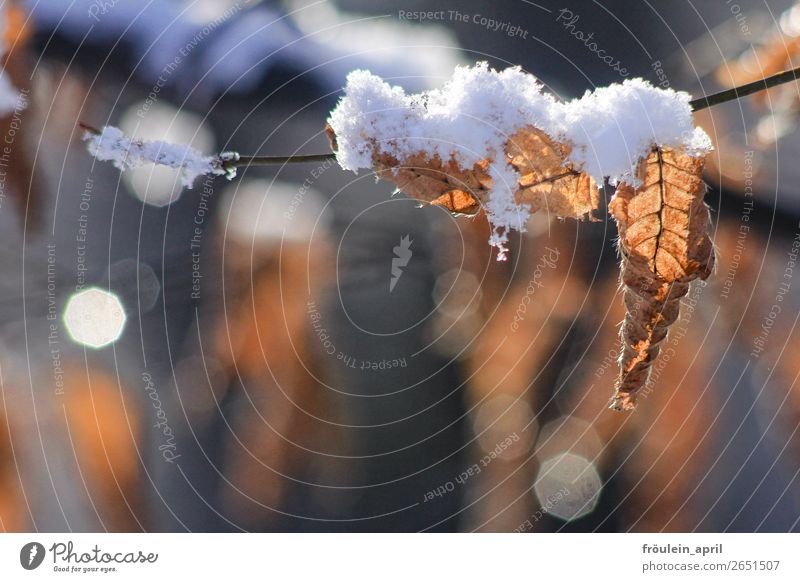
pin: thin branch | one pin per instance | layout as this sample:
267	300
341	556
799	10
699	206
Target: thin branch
91	129
277	160
231	161
742	91
696	104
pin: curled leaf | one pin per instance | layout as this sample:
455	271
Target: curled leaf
458	202
664	242
547	181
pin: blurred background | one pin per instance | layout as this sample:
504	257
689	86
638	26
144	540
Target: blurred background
244	356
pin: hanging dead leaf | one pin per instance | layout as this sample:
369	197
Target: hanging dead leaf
17	64
12	500
547	180
17	25
664	242
663	225
458	202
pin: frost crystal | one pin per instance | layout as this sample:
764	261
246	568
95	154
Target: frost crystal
502	210
112	145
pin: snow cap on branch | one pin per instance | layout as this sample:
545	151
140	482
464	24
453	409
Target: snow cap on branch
477	115
612	128
110	144
472	116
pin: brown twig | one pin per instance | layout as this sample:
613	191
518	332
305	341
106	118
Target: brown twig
88	128
231	160
743	90
698	104
278	160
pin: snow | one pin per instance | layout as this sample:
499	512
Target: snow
614	126
472	116
10	98
112	145
502	210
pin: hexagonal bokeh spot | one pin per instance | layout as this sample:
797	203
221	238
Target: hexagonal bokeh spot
567	486
501	417
94	318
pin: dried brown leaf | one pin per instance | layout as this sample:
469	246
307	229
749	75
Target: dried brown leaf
17	64
547	180
458	202
664	242
663	225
